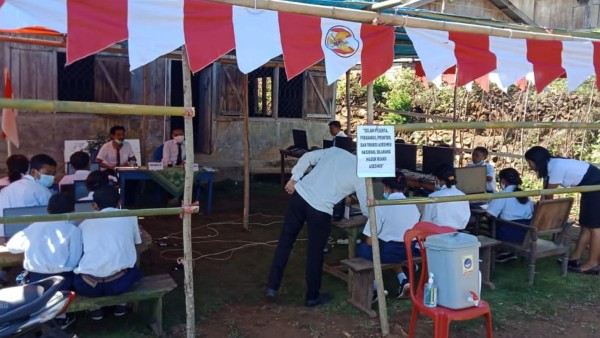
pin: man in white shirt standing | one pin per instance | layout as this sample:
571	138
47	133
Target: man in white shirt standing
80	161
117	152
312	202
107	266
174	149
335	129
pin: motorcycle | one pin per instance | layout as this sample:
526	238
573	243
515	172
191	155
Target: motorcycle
29	310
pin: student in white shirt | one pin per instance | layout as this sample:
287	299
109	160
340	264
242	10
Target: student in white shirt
454	214
107	266
116	152
174	149
17	166
80	161
392	222
478	157
32	190
51	248
567	172
335	129
95	180
516	209
332	178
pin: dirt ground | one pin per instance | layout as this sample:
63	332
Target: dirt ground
229	291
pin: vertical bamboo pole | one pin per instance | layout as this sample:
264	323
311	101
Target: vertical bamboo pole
188	262
8	148
348	109
246	139
381	301
455	105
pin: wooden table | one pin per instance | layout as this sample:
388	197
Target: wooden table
487	259
284	153
8	259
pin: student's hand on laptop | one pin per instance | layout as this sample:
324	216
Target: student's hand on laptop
290	187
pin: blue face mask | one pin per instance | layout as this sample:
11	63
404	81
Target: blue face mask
46	180
386	195
438	186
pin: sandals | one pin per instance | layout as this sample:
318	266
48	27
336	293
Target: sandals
591	271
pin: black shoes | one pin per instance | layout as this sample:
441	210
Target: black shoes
322	299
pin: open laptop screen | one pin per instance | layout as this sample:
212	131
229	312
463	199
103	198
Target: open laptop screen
300	139
433	157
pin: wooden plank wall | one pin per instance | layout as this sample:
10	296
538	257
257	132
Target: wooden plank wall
470	8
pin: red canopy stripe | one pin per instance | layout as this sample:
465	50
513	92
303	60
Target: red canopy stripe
93	26
208	29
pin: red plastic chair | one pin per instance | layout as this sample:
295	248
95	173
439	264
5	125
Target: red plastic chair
441	316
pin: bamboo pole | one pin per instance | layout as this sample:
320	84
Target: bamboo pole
188	259
246	140
49	106
408	113
494	125
90	215
348	107
381	301
391	19
480	197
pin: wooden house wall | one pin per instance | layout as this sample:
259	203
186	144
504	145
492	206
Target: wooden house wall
470	8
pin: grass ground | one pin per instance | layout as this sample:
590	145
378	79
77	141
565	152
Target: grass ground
229	287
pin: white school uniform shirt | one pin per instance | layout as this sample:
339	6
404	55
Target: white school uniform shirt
454	214
332	179
340	134
170	152
108	153
108	245
79	175
49	247
510	208
489	171
393	220
566	172
25	192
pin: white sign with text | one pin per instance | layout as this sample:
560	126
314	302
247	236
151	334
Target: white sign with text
376	151
155	166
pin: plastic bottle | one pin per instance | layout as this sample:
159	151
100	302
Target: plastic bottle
430	298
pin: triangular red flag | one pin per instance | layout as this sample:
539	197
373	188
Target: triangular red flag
378	51
300	42
546	57
473	56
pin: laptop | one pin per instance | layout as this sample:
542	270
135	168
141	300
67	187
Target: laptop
300	139
11	229
471	180
433	157
345	143
406	156
327	144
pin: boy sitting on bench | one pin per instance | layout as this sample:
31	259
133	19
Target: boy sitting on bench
107	267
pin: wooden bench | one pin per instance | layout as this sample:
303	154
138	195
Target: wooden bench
151	288
361	284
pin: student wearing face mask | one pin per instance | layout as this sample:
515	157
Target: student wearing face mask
174	149
516	209
32	190
479	156
117	152
392	222
454	214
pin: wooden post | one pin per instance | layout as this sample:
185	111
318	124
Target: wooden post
370	103
246	140
455	107
188	259
348	107
381	301
8	149
144	134
383	319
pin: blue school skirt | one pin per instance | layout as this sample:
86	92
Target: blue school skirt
390	252
510	233
589	211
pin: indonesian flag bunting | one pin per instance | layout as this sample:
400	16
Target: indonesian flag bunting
50	14
511	61
9	116
300	41
546	59
578	62
93	26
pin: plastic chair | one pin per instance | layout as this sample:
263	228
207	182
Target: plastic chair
157	155
441	316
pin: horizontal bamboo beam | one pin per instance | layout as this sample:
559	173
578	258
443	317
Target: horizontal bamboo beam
95	214
90	107
390	19
481	197
407	113
494	125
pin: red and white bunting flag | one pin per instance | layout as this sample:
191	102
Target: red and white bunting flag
93	26
435	50
545	56
473	56
300	42
51	14
341	45
257	38
9	115
378	51
511	61
578	62
208	28
155	28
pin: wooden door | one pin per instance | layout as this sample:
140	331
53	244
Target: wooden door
319	98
